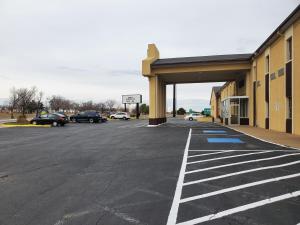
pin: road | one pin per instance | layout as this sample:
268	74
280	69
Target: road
123	172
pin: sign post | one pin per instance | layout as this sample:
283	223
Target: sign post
132	99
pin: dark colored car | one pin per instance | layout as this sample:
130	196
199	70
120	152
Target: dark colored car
62	114
88	116
51	119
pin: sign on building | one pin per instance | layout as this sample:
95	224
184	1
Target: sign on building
131	99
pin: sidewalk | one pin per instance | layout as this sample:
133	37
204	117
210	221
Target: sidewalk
281	138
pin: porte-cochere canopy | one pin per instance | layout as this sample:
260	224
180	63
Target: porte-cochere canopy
161	72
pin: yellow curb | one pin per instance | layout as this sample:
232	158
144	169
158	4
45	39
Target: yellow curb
23	125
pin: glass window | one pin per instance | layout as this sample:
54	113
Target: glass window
267	110
289	49
241	83
267	66
244	108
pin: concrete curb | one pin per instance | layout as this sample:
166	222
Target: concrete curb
264	140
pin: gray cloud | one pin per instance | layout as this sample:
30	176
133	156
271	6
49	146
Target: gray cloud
93	49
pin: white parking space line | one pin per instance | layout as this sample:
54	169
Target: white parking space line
240	163
241	172
243	150
228	157
216	155
243	186
241	208
213	153
175	205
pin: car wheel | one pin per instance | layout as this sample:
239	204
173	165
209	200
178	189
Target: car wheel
112	117
74	120
34	122
91	120
54	124
191	119
124	118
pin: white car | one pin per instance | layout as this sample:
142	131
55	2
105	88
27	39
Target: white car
120	115
193	116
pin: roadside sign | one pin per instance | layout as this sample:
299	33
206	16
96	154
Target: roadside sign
131	99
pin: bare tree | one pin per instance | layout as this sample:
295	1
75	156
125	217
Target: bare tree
56	102
75	106
89	105
39	103
13	101
101	107
110	104
26	96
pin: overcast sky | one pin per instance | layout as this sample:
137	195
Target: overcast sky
92	49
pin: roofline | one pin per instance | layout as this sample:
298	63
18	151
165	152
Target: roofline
294	15
200	63
278	32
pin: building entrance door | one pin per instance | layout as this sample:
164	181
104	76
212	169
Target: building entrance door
234	112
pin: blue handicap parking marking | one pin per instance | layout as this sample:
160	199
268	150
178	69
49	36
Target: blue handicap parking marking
214	131
225	140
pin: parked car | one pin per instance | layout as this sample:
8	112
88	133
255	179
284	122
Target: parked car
193	116
52	119
62	114
120	115
88	116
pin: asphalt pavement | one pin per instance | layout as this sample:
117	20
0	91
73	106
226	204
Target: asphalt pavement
123	172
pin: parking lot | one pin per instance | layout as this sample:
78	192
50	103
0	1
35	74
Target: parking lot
123	172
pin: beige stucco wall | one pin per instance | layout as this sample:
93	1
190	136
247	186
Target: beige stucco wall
228	90
260	92
277	101
214	104
277	87
296	86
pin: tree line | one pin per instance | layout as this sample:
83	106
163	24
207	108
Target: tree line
31	100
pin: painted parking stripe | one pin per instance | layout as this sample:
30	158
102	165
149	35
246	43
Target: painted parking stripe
212	153
244	150
225	140
240	163
176	200
241	172
239	187
241	208
227	135
231	156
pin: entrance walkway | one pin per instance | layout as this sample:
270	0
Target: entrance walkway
281	138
